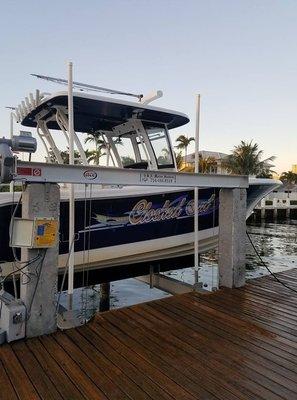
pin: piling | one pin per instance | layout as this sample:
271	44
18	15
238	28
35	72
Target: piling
104	296
232	235
39	279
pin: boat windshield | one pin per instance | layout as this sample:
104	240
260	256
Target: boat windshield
145	146
159	140
125	150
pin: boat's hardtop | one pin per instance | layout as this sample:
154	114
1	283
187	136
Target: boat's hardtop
93	113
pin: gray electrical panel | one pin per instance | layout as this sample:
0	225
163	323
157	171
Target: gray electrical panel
12	318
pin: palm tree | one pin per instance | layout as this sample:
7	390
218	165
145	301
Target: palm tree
246	160
94	155
207	164
179	160
97	153
65	156
289	178
183	143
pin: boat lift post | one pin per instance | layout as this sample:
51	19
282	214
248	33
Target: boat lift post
71	187
196	194
11	135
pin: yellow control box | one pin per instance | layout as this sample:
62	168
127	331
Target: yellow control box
36	233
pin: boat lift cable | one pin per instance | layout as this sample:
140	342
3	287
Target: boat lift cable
84	86
38	273
266	266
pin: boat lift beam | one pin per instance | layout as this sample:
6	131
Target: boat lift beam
25	171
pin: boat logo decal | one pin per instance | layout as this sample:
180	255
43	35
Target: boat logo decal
36	172
90	174
144	212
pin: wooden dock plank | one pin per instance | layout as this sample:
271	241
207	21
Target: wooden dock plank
7	391
174	372
212	344
202	370
241	317
172	355
73	370
147	370
211	337
216	361
17	376
130	378
54	371
249	368
41	381
102	366
238	344
90	368
252	332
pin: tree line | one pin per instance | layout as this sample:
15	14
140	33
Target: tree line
245	159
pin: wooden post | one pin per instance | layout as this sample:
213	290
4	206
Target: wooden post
104	296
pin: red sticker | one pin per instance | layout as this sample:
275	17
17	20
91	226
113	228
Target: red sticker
24	171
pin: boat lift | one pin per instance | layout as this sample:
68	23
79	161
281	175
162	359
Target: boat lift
36	313
40	201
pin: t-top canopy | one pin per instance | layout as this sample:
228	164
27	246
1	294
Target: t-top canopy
93	113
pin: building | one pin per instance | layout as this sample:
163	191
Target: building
281	203
215	158
294	168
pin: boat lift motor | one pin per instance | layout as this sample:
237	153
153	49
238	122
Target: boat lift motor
22	143
13	318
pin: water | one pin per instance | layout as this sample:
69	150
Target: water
276	243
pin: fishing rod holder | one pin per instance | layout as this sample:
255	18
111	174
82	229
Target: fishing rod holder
21	143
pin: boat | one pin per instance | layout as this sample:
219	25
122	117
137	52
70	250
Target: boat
114	225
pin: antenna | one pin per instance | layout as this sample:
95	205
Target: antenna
84	86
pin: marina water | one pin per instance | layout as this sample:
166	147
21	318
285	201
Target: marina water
275	242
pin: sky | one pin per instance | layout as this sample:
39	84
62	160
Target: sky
240	55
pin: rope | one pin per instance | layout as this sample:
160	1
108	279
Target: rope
265	265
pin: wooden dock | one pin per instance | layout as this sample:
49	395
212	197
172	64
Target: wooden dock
232	344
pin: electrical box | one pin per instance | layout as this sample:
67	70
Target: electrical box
13	318
34	233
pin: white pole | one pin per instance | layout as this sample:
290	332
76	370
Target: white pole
11	135
196	192
71	186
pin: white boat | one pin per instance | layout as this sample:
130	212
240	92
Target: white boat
123	225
